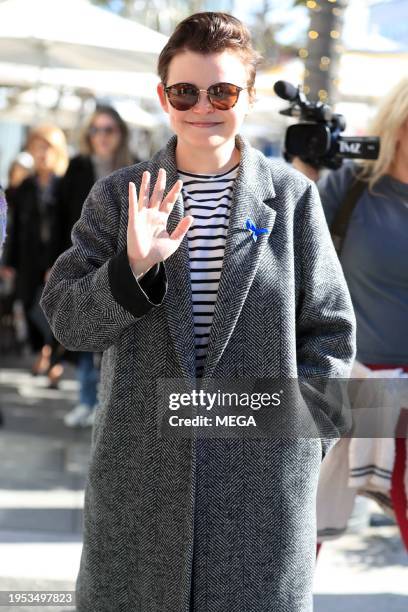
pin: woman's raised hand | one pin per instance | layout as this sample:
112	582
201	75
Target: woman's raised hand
148	241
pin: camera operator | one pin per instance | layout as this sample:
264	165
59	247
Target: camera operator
374	256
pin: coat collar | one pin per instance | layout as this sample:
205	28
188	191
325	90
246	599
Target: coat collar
253	188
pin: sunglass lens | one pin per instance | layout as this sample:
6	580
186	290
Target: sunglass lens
108	130
223	96
182	97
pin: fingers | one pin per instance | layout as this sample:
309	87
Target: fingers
156	200
171	197
132	204
182	228
144	190
158	190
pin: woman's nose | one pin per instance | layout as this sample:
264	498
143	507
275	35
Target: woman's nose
203	103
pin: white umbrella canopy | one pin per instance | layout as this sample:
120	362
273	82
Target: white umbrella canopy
46	103
75	34
67	119
113	83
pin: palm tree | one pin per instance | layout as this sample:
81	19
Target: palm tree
323	48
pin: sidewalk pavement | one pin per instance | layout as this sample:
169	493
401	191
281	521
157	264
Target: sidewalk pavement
42	478
363	572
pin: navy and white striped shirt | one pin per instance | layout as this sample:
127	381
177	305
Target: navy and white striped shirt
207	197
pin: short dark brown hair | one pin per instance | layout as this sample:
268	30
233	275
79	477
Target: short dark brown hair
211	32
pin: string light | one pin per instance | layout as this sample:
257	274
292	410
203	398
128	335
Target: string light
306	89
311	4
313	34
336	11
335	34
303	53
322	93
325	60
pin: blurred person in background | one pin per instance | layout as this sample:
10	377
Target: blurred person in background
104	149
374	257
3	233
30	249
20	168
3	219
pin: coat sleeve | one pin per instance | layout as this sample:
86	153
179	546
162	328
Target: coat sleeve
91	295
325	321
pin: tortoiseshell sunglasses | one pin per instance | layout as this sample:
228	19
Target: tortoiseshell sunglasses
183	96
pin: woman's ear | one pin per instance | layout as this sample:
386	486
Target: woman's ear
162	97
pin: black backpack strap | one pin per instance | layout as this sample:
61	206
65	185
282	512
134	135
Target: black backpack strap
341	220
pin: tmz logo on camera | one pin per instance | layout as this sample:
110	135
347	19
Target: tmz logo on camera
350	147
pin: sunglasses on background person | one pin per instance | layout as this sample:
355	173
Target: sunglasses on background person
108	130
183	96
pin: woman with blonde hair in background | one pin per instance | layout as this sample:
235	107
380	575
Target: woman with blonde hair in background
374	258
30	249
104	148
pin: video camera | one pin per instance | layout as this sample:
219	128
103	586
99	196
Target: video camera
317	139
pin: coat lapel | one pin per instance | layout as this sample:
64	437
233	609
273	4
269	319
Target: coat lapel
253	188
178	301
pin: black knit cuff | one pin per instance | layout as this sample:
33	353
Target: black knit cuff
137	297
148	279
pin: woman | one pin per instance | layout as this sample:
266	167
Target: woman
31	248
104	148
3	234
3	219
374	258
20	168
192	524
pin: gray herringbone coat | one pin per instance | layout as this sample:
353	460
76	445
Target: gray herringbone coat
245	508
